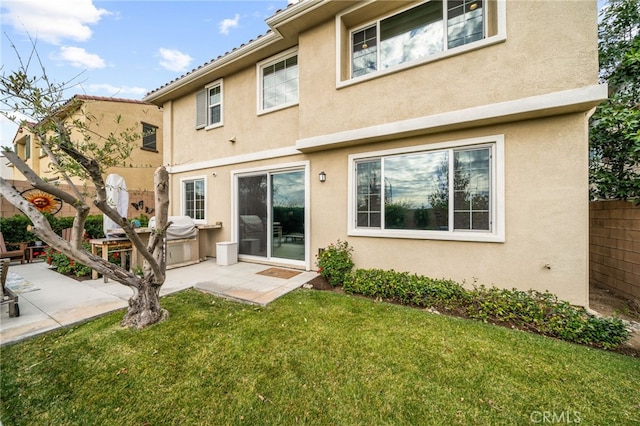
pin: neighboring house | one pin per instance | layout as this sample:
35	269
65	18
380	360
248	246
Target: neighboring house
106	115
445	138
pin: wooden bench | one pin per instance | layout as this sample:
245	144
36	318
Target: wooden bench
18	253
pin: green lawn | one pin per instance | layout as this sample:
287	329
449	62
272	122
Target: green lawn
311	357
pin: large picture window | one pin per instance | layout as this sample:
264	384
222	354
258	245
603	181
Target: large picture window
442	191
278	82
193	198
416	33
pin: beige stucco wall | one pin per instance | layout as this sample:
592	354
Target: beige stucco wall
139	169
251	132
546	194
534	59
546	213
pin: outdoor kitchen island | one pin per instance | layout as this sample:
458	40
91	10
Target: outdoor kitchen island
187	243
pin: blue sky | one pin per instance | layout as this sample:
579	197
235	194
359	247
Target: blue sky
125	48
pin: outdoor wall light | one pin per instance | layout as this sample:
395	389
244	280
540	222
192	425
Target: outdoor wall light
322	176
232	140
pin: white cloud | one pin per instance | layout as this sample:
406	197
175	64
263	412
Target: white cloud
174	60
227	24
52	21
8	128
116	91
293	1
79	58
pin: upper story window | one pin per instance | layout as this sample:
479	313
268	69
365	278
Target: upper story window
416	33
149	134
278	81
209	109
27	147
447	191
422	33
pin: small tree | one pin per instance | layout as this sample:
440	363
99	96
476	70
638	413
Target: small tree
76	149
615	126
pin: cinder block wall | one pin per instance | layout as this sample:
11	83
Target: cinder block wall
614	247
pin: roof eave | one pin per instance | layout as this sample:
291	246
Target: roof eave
165	93
172	90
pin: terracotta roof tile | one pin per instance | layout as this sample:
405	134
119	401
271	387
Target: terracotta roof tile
223	55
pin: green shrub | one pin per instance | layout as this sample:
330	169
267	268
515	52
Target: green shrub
14	229
143	219
335	263
93	227
65	265
540	312
406	288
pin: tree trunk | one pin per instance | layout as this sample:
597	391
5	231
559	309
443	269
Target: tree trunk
144	306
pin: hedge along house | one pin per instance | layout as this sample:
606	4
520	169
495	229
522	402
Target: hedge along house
445	138
102	116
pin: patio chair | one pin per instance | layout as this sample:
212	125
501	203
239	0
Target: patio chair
18	253
66	234
8	297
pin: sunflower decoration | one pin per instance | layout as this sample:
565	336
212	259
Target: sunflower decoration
45	203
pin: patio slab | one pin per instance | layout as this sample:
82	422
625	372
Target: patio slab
59	301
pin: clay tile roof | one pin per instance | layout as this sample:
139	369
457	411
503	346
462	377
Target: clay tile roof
107	99
223	55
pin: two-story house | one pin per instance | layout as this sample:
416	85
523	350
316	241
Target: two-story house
103	116
446	138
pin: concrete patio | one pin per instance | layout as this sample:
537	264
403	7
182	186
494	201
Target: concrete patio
51	300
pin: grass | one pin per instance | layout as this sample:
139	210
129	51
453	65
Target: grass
311	357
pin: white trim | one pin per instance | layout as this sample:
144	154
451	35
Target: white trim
237	159
292	11
499	37
218	82
497	233
182	197
568	101
574	100
276	168
282	56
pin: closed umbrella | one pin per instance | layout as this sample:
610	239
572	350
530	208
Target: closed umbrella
118	198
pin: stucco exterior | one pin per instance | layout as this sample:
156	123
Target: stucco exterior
525	90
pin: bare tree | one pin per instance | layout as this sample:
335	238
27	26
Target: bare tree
77	150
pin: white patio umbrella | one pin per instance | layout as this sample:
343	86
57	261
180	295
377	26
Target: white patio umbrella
117	197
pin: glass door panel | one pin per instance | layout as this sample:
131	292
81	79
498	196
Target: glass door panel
252	212
287	213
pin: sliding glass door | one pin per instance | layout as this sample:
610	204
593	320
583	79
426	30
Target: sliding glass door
271	215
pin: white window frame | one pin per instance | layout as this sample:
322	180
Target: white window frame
183	196
203	107
497	207
217	83
27	147
154	128
283	56
341	44
284	167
